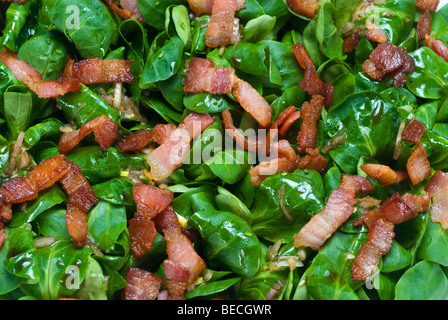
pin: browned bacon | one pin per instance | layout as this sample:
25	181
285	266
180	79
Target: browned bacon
253	102
201	7
311	83
169	155
136	141
389	59
202	76
418	165
149	201
351	42
437	189
427	4
33	79
305	8
379	242
313	160
384	174
104	129
310	113
223	28
129	10
375	33
338	209
424	25
437	46
395	210
413	132
141	285
286	120
92	71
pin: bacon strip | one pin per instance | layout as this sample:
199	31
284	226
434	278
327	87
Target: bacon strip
149	201
427	4
223	28
424	25
129	10
104	129
437	189
338	209
375	33
379	242
389	59
437	46
311	83
142	285
418	165
310	113
136	141
92	71
305	8
183	265
57	168
351	42
413	132
169	155
201	7
202	76
385	175
313	160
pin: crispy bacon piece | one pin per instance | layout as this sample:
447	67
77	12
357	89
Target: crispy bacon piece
395	210
57	168
338	209
351	42
288	123
437	46
169	155
92	71
136	141
142	285
33	79
375	33
305	8
424	25
183	265
368	218
162	132
201	7
389	59
253	102
223	28
202	76
437	189
310	113
311	83
313	160
427	4
286	162
384	174
379	242
418	203
418	165
413	132
104	129
149	201
129	10
2	233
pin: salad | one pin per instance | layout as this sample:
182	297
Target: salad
223	149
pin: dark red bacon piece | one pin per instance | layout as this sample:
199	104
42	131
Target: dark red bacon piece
385	175
379	242
141	285
413	132
431	5
437	46
375	33
169	155
351	42
437	189
338	209
305	8
424	25
389	59
143	233
129	10
92	71
136	141
313	160
418	165
104	129
310	112
150	200
311	83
